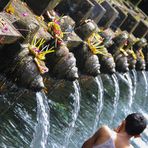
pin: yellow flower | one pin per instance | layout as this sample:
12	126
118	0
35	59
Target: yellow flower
10	9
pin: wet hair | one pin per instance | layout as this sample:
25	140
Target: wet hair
135	124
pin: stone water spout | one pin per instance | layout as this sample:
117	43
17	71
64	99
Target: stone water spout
137	47
18	66
62	64
87	62
106	59
132	58
120	55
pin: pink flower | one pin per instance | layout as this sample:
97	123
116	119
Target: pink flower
5	29
25	14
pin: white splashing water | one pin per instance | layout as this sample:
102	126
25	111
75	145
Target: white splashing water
146	83
75	112
43	126
130	89
100	101
117	94
134	82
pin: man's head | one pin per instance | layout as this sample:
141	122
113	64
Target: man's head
135	124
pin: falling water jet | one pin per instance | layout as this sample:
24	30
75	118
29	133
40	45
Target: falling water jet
127	80
134	81
146	82
75	112
116	97
130	89
43	126
100	101
146	85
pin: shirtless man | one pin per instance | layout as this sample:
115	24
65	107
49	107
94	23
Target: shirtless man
132	126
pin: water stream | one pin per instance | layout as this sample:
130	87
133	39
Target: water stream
130	89
134	73
75	112
117	95
43	126
100	101
146	83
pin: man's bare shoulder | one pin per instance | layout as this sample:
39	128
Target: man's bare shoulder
130	146
105	130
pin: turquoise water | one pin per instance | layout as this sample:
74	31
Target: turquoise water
74	110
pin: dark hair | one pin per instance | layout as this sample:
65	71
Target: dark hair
135	124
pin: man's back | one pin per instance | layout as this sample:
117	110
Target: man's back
106	138
107	144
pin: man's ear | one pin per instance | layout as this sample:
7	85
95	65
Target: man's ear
137	136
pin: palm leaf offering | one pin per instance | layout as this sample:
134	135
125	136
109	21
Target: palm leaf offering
94	42
40	52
